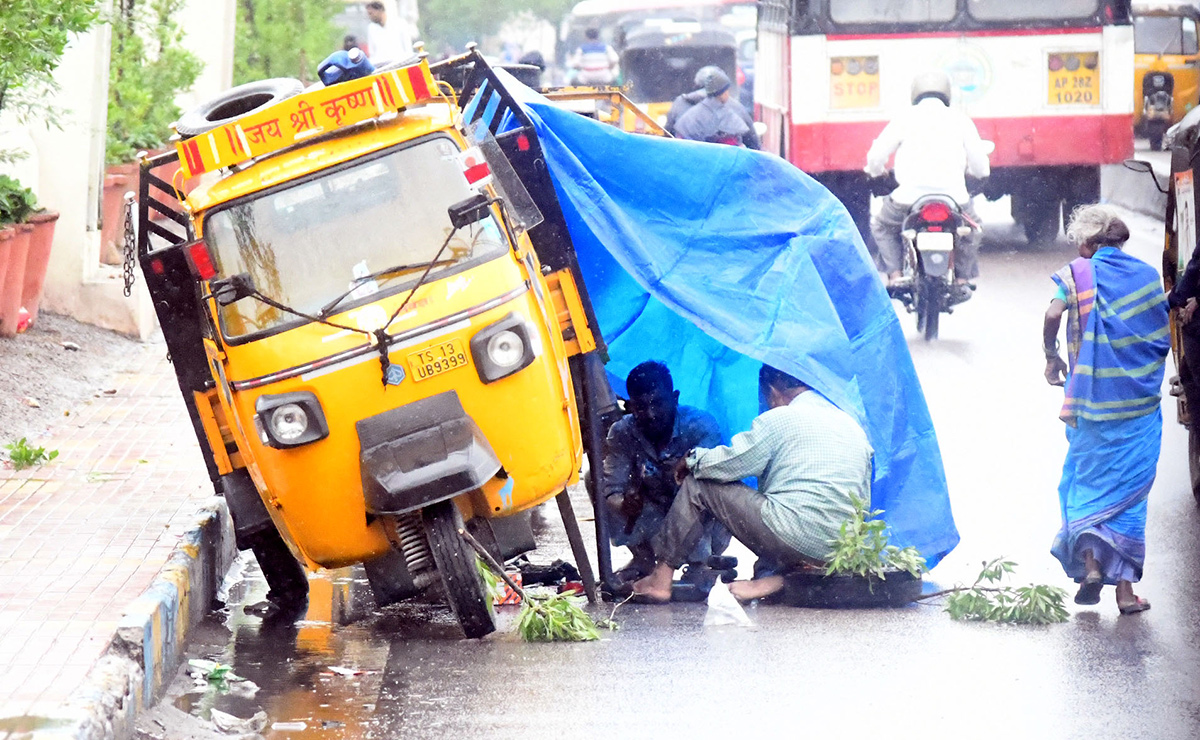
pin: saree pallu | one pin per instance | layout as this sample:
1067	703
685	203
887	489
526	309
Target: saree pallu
1118	341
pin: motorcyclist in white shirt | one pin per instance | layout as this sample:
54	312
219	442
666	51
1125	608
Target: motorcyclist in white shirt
934	146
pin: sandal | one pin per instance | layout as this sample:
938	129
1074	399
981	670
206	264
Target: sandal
1140	605
1089	590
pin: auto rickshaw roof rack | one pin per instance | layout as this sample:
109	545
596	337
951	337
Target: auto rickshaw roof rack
298	119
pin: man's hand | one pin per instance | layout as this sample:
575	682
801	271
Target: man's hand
628	505
1185	313
681	470
1056	370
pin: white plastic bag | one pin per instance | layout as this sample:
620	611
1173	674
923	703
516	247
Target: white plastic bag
724	609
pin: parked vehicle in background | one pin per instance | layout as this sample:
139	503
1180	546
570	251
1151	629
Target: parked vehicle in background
1166	66
1049	82
608	15
660	57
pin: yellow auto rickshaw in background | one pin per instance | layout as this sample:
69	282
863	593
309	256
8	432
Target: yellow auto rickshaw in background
380	335
660	57
1166	66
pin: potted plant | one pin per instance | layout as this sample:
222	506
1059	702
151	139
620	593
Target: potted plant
148	68
16	205
864	570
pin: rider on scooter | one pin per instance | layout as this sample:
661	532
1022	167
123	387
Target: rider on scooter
934	145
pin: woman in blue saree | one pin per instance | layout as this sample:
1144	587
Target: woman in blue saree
1117	343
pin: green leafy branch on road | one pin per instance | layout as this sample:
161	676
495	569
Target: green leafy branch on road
995	603
24	455
861	548
544	617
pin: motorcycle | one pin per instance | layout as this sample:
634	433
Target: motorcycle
931	231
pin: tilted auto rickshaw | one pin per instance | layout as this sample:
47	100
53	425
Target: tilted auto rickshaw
661	56
1166	66
378	325
1183	142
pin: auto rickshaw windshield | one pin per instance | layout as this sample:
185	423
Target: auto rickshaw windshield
309	242
1164	34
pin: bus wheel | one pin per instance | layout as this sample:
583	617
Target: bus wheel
1041	223
1194	461
456	564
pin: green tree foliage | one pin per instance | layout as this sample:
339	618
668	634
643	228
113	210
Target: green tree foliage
149	68
284	38
457	22
33	35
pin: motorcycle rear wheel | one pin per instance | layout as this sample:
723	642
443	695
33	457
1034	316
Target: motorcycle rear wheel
929	310
456	565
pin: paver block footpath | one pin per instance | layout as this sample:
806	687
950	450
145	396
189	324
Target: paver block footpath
150	638
108	556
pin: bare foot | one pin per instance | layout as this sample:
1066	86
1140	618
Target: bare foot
657	585
758	588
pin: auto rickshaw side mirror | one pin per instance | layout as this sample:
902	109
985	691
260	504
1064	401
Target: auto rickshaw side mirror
1138	165
469	211
233	288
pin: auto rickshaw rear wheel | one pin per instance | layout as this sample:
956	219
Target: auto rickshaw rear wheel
456	565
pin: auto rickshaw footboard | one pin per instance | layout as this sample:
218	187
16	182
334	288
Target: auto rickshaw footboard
246	507
421	453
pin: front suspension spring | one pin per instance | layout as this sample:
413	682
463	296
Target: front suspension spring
410	540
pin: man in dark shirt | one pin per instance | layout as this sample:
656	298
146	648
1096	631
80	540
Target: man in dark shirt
642	450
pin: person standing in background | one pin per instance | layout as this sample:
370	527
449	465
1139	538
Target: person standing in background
386	42
594	62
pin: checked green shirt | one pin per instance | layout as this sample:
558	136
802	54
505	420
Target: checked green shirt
809	457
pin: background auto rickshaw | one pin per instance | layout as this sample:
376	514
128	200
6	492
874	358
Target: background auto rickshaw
1166	66
1183	141
661	56
378	333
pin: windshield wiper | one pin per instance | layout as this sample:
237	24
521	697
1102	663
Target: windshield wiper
357	282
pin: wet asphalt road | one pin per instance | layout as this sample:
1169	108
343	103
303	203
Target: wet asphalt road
905	673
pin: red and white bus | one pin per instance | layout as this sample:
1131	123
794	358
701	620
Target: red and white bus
1049	81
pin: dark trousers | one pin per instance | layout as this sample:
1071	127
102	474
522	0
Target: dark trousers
737	506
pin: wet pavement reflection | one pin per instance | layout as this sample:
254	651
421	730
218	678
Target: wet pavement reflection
348	670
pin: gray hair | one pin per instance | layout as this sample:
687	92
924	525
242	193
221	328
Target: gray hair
1097	224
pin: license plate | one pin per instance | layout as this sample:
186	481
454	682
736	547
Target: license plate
437	359
935	241
1073	78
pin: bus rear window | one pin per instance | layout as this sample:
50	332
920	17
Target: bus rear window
892	11
1032	10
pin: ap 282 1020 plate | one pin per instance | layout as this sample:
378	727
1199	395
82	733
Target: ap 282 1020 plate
437	359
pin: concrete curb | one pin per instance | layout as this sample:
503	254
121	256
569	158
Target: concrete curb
1133	190
149	640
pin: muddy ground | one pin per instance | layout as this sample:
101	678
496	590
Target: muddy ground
42	381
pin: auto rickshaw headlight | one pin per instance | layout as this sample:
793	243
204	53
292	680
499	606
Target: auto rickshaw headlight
290	419
506	349
503	348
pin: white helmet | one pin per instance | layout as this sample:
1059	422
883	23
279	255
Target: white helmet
932	83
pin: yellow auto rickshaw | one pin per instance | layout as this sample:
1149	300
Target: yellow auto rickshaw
380	335
1166	66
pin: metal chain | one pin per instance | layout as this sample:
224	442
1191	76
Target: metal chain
130	245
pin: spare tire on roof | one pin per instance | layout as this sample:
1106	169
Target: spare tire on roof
235	103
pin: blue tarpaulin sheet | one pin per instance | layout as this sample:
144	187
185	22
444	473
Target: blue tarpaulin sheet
714	259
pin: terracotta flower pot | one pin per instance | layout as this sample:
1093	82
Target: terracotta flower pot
118	180
14	280
37	261
7	232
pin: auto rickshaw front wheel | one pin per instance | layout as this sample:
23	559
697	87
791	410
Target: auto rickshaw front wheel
455	562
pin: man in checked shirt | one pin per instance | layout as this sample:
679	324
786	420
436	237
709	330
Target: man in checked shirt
809	457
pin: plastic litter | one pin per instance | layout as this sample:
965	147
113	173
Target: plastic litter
231	724
289	726
724	609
